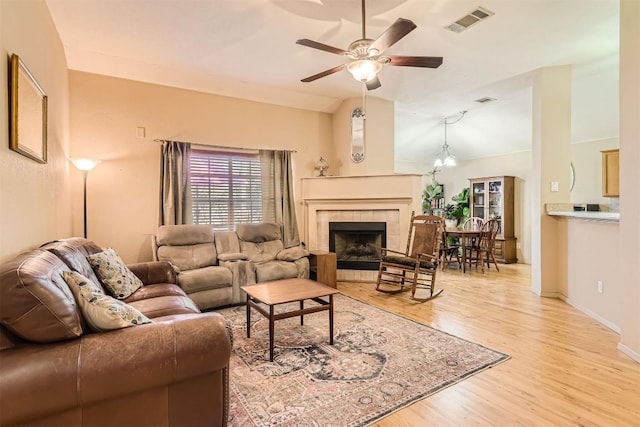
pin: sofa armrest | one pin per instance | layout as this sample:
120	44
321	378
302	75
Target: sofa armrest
292	254
154	272
101	366
234	256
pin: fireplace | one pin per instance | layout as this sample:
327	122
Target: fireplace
357	244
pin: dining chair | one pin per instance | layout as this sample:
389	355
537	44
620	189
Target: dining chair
448	248
415	268
474	222
482	251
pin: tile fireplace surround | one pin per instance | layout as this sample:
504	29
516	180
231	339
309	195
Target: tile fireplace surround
378	198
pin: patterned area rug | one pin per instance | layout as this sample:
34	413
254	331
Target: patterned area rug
380	362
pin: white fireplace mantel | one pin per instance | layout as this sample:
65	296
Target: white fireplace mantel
401	193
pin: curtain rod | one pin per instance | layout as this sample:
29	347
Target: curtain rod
222	147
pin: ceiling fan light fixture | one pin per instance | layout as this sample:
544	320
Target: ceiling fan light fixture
364	70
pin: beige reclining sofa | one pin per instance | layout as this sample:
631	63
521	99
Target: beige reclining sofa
213	265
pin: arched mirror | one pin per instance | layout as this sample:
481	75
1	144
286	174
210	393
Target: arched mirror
357	135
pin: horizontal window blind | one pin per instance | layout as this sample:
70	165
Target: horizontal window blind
225	188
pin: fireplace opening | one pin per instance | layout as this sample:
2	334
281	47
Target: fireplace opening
357	244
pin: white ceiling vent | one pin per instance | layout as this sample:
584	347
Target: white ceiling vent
484	99
470	19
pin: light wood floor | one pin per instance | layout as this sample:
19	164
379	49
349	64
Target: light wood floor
564	369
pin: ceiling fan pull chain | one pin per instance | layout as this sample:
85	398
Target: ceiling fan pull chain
363	26
364	101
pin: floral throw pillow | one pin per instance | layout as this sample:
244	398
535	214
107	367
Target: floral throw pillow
114	274
102	312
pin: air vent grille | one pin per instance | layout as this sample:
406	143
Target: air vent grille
485	99
470	19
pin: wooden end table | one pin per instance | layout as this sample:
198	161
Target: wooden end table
284	291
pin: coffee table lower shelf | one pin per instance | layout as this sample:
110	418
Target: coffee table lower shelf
285	291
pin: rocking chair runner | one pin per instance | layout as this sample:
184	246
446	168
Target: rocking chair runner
418	265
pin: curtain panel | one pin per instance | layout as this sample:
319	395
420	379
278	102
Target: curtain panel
278	204
174	178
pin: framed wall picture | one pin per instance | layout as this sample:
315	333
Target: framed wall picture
28	112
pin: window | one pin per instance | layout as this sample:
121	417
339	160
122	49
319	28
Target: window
225	188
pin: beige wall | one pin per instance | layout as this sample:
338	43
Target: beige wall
34	198
587	164
379	134
518	165
123	190
583	239
630	176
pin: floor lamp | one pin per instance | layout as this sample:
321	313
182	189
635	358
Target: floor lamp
85	165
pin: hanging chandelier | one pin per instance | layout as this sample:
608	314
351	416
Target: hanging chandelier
444	157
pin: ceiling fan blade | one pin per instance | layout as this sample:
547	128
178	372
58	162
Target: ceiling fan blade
323	74
321	46
415	61
391	35
373	83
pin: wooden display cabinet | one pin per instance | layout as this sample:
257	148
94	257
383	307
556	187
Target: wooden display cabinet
322	267
493	198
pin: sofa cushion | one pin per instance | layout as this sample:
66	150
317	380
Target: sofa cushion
205	278
154	291
184	234
35	302
102	312
258	233
73	252
114	274
292	254
189	257
226	242
165	306
276	270
261	252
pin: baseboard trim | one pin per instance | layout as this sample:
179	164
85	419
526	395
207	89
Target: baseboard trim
629	352
615	328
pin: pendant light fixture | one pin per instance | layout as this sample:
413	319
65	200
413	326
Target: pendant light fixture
444	157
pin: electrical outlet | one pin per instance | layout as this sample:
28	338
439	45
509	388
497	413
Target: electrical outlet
600	286
555	186
518	246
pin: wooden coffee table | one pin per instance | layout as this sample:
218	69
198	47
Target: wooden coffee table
284	291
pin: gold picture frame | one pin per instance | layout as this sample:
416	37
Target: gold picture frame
28	113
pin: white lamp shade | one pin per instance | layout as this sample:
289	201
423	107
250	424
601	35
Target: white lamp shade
85	164
364	70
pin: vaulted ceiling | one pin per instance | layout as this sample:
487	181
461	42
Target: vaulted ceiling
246	49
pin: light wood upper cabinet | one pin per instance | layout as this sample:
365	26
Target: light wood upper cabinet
611	173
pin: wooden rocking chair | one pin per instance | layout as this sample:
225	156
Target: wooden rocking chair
418	265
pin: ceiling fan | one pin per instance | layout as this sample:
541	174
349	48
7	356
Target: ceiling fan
366	54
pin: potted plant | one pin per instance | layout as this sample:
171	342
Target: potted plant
450	218
432	192
455	212
462	204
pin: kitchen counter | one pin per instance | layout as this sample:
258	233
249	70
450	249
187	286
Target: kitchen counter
596	216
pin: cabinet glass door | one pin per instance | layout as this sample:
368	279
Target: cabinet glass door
478	199
495	200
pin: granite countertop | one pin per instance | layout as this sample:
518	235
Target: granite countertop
566	210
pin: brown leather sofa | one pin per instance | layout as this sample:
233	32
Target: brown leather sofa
55	372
